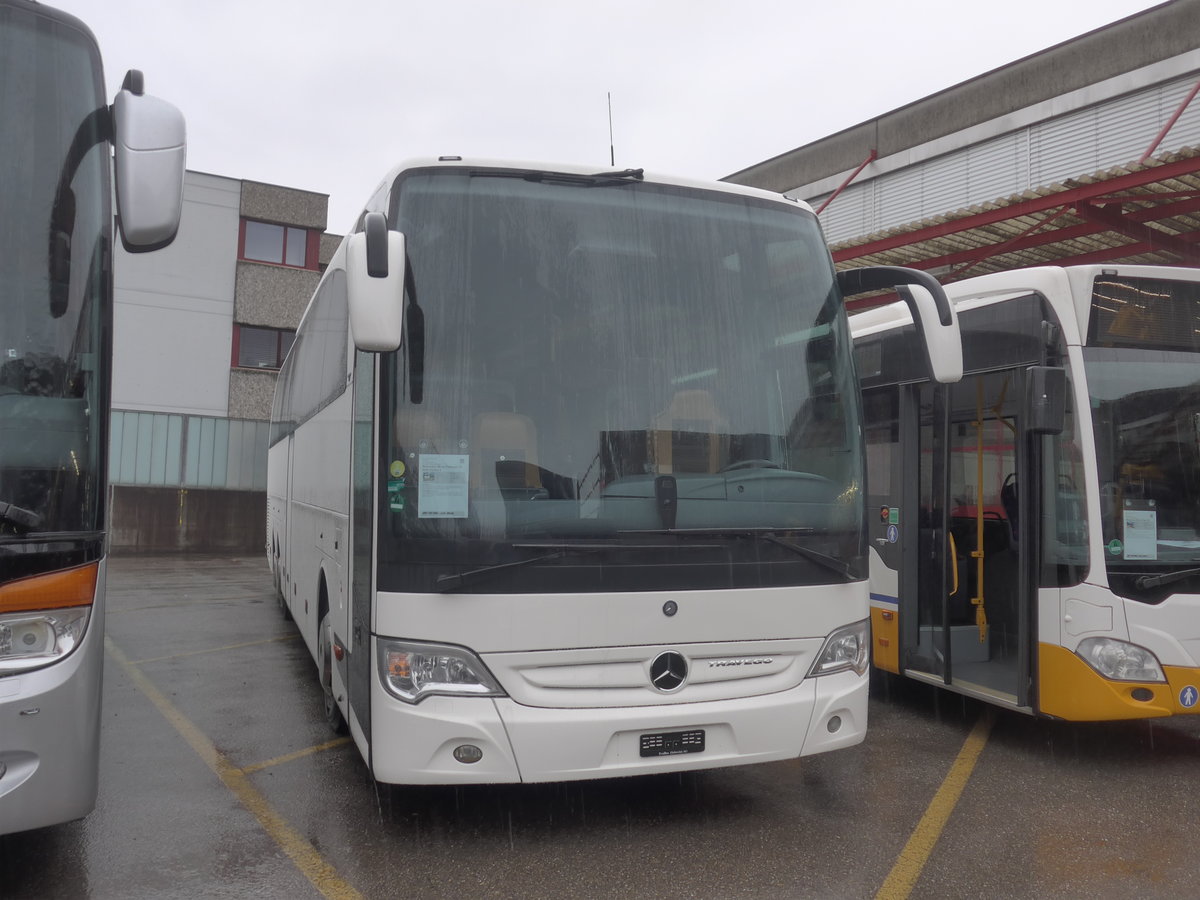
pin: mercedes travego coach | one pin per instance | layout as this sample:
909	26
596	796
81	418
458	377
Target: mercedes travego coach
566	476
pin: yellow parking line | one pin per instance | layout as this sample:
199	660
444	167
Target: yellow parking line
298	754
274	640
305	857
916	852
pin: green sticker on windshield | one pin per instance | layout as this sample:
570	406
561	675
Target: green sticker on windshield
395	490
1115	547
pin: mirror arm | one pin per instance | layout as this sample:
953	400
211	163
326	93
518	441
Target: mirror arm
96	128
879	278
376	229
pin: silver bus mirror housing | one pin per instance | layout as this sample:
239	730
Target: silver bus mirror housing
150	156
943	341
932	311
375	271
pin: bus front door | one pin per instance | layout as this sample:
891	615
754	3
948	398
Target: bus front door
968	630
927	561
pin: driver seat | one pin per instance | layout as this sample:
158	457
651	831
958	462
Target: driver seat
690	435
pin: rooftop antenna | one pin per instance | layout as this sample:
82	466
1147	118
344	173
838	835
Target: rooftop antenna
612	153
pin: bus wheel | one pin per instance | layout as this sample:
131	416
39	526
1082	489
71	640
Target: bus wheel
281	599
333	716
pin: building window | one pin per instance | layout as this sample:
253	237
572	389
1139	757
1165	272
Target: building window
260	348
283	245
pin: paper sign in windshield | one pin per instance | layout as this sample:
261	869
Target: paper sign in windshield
442	486
1141	534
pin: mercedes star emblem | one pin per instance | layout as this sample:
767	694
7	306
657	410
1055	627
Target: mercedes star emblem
668	671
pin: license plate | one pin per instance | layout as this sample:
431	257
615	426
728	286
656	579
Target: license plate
672	743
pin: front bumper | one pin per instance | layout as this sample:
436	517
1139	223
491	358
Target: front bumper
415	744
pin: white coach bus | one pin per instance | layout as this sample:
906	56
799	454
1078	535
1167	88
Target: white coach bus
1036	541
59	145
566	477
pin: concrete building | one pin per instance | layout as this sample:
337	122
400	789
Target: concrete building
200	329
1086	152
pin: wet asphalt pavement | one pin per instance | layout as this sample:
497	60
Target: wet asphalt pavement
220	779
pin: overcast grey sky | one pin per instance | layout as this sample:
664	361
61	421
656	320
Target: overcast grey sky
327	95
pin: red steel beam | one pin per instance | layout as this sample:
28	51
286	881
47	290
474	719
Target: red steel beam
1170	123
1125	251
1095	257
1127	226
1006	247
871	157
1140	178
1031	241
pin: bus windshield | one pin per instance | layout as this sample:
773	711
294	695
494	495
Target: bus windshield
613	384
53	271
1143	370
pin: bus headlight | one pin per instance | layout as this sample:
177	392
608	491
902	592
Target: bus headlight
412	672
32	639
845	649
1120	660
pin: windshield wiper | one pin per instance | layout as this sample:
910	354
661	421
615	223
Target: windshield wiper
558	549
598	179
24	519
621	175
833	564
1149	581
447	583
837	566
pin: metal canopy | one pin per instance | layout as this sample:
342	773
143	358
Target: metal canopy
1144	212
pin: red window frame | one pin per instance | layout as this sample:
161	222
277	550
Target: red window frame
280	352
312	245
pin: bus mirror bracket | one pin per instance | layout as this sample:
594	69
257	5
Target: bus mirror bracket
931	308
150	157
375	270
1045	400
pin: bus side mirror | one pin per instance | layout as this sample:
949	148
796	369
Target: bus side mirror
1045	400
932	312
943	342
375	270
150	155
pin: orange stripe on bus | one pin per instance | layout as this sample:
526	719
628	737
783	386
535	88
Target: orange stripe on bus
55	590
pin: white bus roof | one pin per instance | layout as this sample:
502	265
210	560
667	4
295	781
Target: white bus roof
1055	282
466	162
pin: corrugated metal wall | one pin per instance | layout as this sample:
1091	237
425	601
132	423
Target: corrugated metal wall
1113	133
173	450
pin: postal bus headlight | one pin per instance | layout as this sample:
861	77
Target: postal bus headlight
34	639
44	617
1120	660
844	650
411	671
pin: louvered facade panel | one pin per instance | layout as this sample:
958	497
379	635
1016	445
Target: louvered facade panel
1186	131
850	214
998	168
1084	142
899	197
1063	147
944	183
1128	125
